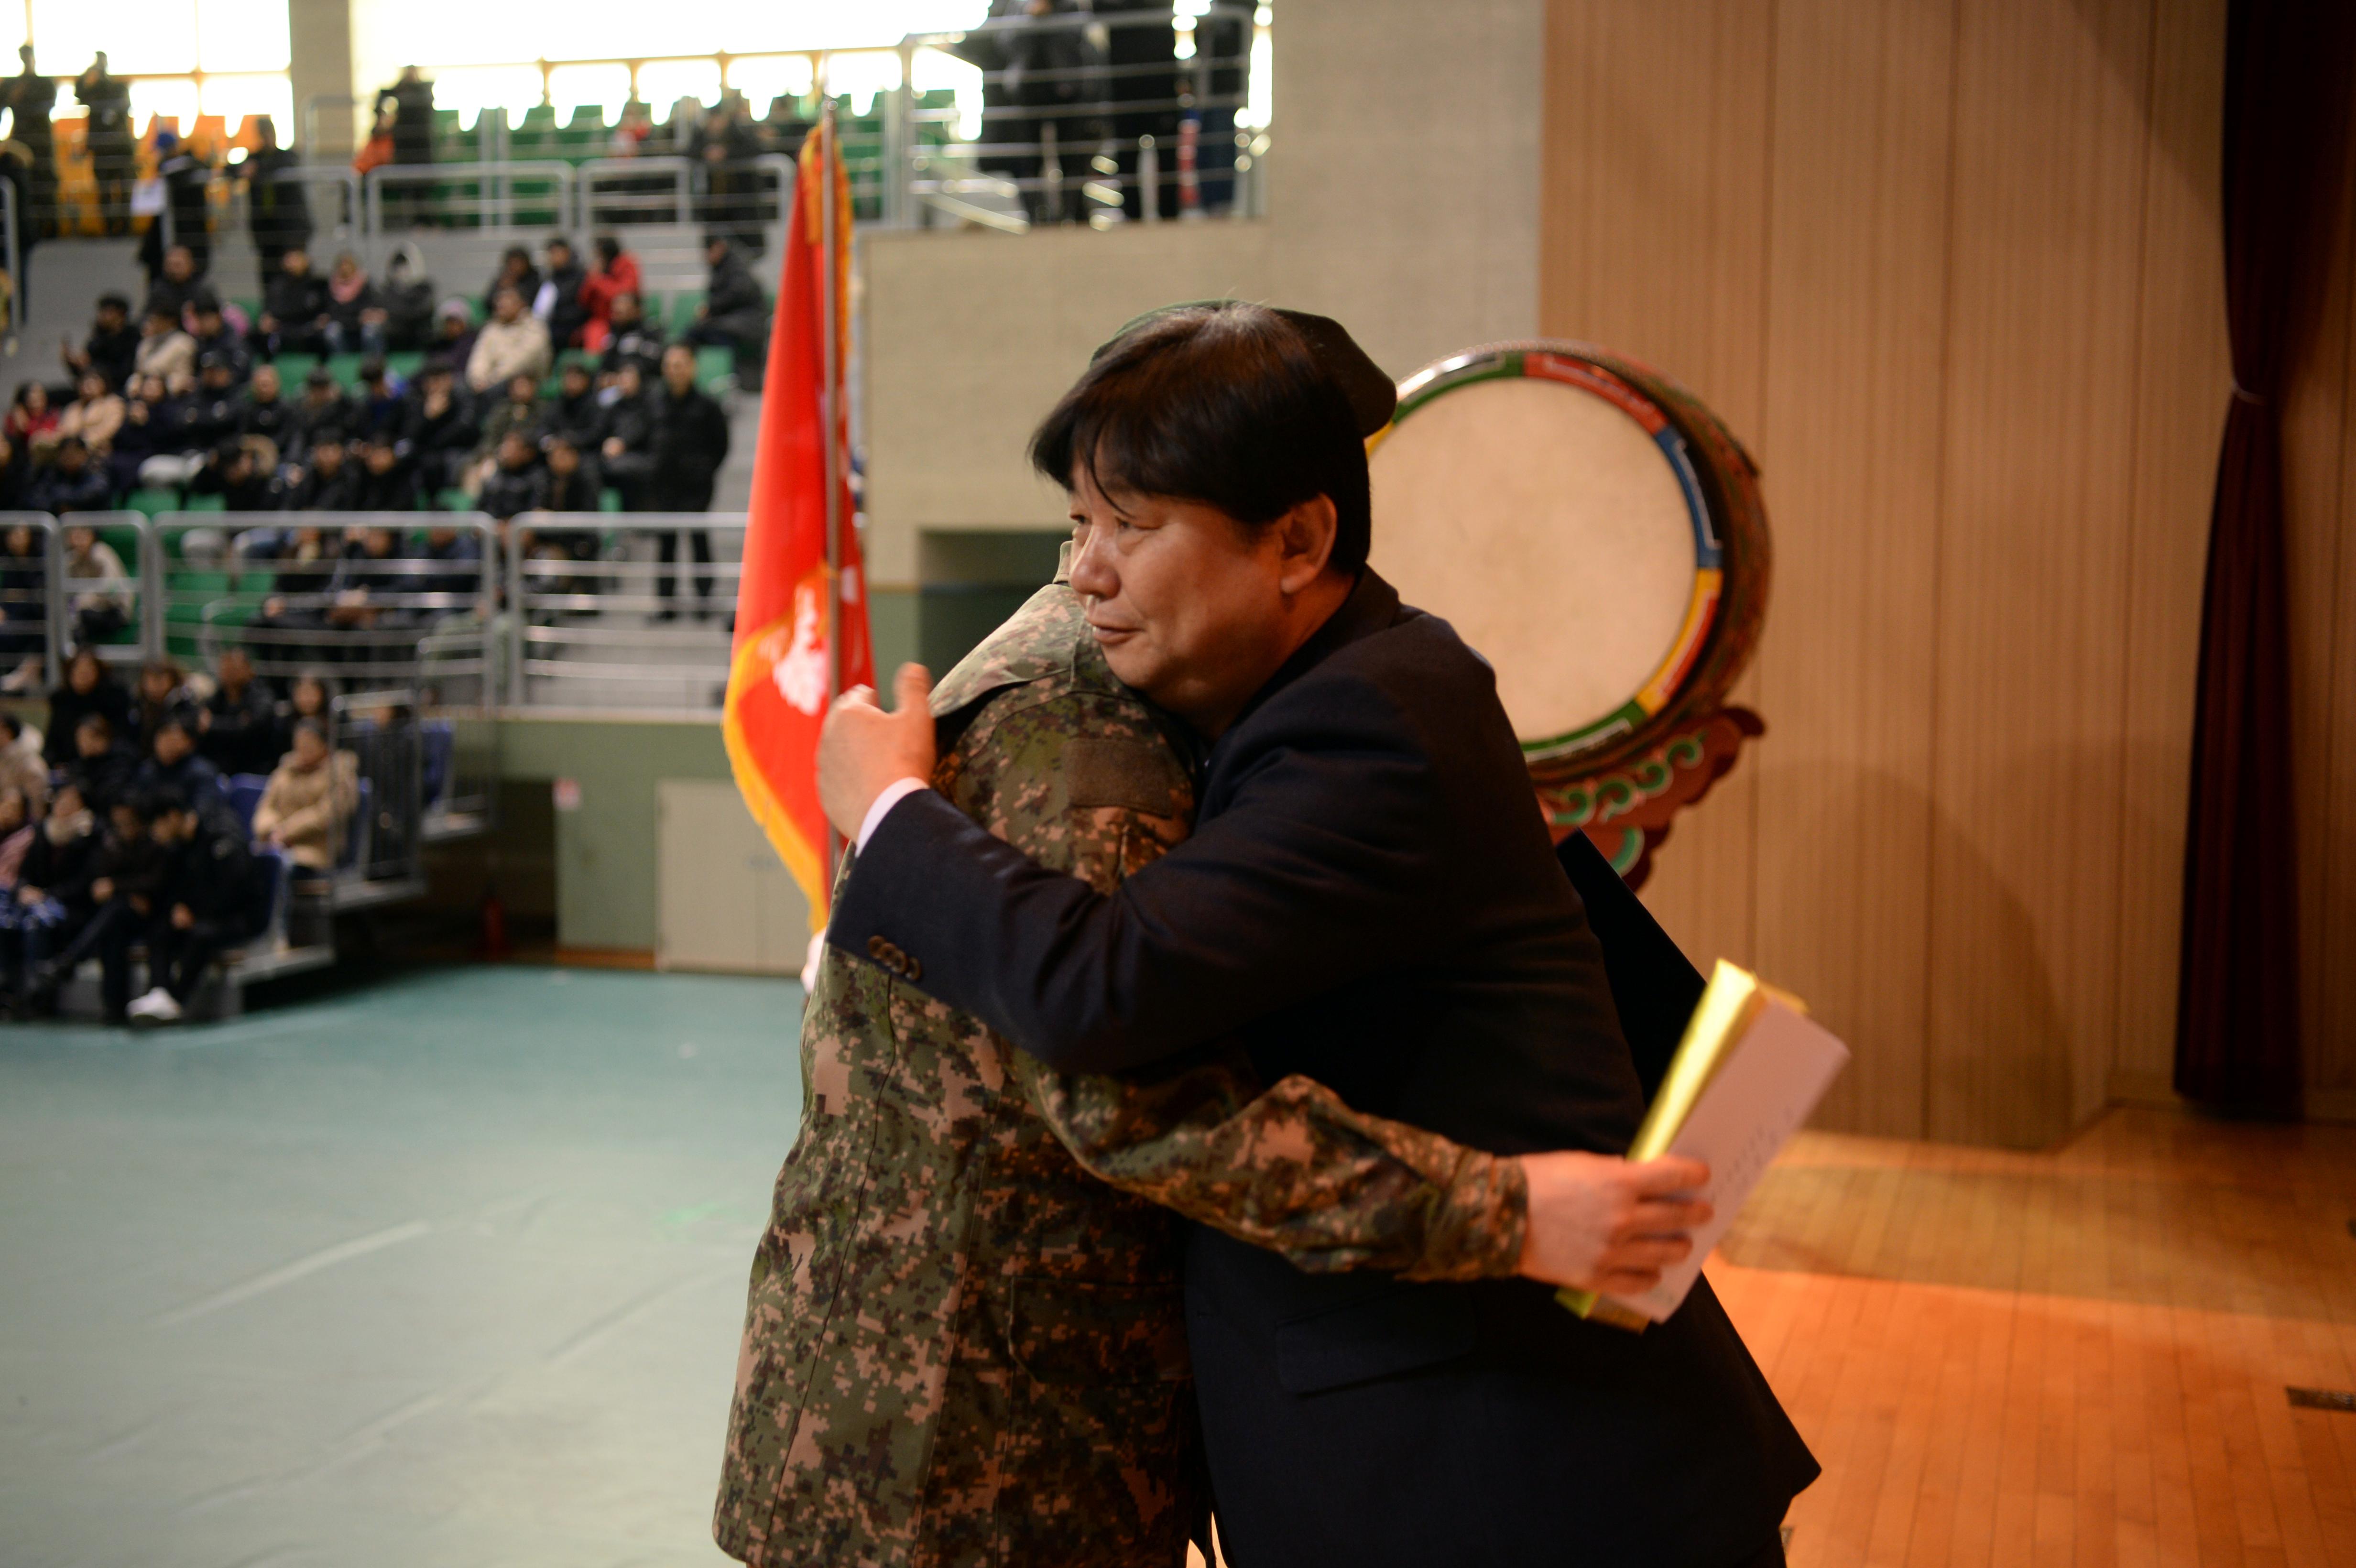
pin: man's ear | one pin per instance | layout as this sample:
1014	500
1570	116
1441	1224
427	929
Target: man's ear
1305	542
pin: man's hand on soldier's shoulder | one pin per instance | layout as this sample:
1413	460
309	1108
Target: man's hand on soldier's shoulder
1597	1222
863	751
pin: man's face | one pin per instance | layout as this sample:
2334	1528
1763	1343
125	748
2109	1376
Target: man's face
217	378
297	262
309	750
209	324
111	317
173	746
515	452
265	384
236	669
560	256
625	310
89	740
72	457
329	459
523	389
1184	602
159	324
127	823
173	826
380	461
179	264
562	459
507	305
679	371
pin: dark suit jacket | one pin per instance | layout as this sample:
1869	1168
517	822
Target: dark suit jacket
1370	898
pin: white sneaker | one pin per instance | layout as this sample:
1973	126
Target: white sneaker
155	1007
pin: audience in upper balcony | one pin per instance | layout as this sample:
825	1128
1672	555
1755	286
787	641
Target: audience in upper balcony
72	483
512	343
438	430
113	152
266	413
184	203
326	480
213	336
356	316
112	345
557	301
295	316
95	415
387	481
407	293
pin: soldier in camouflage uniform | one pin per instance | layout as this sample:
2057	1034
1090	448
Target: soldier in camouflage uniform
962	1346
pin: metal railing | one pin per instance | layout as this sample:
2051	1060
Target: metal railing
341	593
490	194
28	626
598	618
382	857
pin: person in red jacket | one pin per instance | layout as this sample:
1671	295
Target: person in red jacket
615	273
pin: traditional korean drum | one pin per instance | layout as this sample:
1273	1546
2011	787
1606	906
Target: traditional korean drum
1588	527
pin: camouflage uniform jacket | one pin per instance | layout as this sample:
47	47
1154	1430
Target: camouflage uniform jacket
963	1347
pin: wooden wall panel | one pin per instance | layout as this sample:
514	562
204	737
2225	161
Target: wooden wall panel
2184	380
1987	345
1655	178
2319	495
2049	172
1856	336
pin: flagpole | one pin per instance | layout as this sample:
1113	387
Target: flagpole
832	442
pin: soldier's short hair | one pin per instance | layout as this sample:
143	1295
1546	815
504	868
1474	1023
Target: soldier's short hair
1226	403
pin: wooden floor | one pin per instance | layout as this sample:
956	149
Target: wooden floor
2078	1357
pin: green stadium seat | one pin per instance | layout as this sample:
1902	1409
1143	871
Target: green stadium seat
713	365
683	306
293	368
405	363
205	503
609	499
252	308
454	501
151	502
346	368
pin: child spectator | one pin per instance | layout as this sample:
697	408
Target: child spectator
239	729
51	903
88	688
293	317
210	898
356	317
513	344
309	801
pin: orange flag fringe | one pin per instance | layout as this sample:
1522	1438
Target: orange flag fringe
780	676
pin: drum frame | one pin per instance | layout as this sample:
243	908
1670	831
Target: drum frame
1732	550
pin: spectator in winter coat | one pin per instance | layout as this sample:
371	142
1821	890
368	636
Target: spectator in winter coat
356	317
614	275
211	899
576	414
239	726
386	483
734	314
517	413
690	443
633	338
166	351
328	481
293	318
112	344
326	416
267	415
88	688
72	483
516	272
310	798
438	430
95	414
514	483
52	902
557	302
513	344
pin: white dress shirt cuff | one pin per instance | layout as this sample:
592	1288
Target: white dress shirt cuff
893	794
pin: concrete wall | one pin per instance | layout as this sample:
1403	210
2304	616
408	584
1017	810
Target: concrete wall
1410	216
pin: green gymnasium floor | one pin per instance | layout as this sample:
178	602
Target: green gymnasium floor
443	1271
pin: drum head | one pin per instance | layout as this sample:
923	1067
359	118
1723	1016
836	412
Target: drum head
1550	510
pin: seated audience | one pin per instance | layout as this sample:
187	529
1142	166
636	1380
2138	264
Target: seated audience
16	826
454	332
516	272
240	471
176	285
72	483
129	876
172	759
22	766
165	352
408	298
576	414
438	429
212	897
102	767
512	344
326	481
51	903
387	481
266	413
12	475
237	726
112	347
95	414
514	483
29	416
557	301
213	337
377	405
140	435
293	318
734	314
632	338
516	413
573	482
310	799
612	275
326	416
356	317
24	605
88	688
161	690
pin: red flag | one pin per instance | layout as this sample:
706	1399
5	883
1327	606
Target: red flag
780	677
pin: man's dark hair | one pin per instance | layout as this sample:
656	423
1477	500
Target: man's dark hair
12	726
312	728
120	302
1227	404
98	721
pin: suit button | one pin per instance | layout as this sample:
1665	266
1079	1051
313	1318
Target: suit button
877	949
914	970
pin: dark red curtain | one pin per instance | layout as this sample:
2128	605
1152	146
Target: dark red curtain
2237	1046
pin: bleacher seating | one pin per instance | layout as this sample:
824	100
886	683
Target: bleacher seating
245	792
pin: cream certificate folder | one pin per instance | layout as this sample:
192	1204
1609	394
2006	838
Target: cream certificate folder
1751	1067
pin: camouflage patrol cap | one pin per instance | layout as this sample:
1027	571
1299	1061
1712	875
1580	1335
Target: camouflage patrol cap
1372	396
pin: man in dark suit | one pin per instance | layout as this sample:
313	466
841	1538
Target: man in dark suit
1369	898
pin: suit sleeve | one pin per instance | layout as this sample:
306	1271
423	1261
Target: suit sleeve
1294	1169
1322	867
